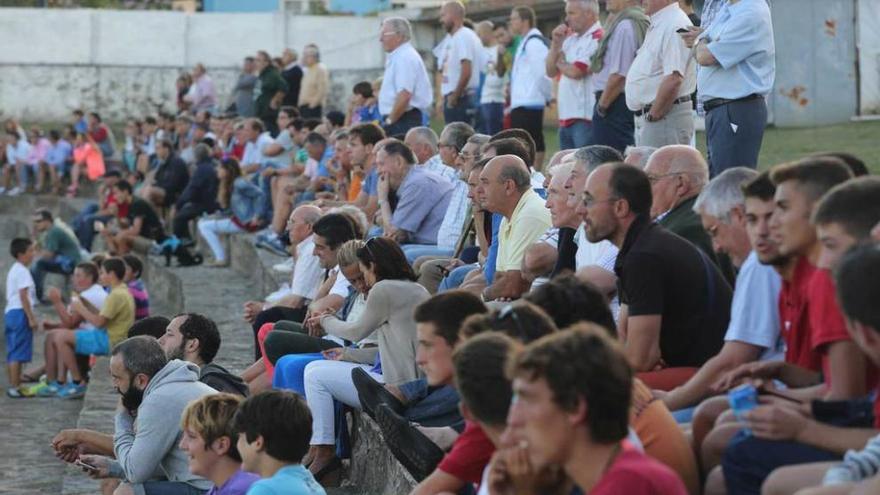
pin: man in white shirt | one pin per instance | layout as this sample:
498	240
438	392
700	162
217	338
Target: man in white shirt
460	64
529	84
662	79
406	90
572	45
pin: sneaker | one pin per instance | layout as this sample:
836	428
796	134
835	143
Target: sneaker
45	389
274	246
266	235
15	393
15	191
72	391
2	190
416	452
285	267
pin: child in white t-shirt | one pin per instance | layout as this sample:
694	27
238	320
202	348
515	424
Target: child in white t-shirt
19	317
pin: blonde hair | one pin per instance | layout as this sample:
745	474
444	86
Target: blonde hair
347	253
211	417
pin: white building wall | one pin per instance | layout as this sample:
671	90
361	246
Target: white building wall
124	64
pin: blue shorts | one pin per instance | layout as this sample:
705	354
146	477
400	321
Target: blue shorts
93	341
19	337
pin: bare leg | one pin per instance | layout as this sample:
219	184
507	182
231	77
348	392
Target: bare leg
51	356
253	371
74	176
790	479
14	371
715	483
66	343
259	384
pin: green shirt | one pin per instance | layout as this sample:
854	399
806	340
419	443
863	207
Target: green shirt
57	241
269	83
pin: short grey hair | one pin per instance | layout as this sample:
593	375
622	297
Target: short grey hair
400	26
564	168
589	4
201	152
458	134
425	135
141	355
479	139
591	157
519	175
311	213
643	152
724	193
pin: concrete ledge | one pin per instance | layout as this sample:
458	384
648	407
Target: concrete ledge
255	264
372	464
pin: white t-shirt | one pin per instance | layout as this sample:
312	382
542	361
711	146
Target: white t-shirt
463	45
253	150
341	286
493	85
307	271
19	277
576	98
18	152
95	295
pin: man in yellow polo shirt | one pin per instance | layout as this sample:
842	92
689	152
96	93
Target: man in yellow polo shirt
505	188
110	327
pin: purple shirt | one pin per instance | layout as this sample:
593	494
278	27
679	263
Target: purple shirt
622	48
238	484
424	197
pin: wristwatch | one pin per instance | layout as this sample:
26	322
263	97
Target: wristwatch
388	121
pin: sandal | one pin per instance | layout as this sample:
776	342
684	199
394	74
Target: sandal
26	378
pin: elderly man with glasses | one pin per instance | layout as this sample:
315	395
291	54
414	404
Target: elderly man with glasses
406	89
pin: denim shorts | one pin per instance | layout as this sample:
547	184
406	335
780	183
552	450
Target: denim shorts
92	341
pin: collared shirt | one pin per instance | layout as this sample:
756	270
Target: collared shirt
659	273
436	165
424	197
662	54
622	48
529	220
576	98
529	84
405	71
253	150
18	152
741	39
456	214
754	313
307	271
202	94
59	153
462	45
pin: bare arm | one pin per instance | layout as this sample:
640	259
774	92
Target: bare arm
507	285
704	56
733	354
401	103
642	343
666	95
28	309
847	369
834	438
612	90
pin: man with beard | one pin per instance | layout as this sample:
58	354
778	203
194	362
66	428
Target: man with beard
155	391
194	338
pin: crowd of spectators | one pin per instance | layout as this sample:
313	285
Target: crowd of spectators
630	317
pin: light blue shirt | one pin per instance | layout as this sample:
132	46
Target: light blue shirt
59	153
423	199
741	39
289	480
754	313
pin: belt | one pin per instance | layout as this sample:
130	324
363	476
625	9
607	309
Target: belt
647	108
719	102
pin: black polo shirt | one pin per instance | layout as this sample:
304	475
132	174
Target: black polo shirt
660	273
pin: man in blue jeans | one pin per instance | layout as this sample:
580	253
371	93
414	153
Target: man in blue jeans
59	251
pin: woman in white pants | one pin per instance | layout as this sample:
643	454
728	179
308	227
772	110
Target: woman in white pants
239	200
391	301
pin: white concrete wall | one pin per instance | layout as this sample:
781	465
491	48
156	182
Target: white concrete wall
124	64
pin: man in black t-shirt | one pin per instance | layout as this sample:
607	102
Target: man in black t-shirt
141	221
675	304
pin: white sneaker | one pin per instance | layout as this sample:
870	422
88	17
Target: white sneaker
285	266
2	190
15	191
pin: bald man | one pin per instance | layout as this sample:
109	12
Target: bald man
505	188
674	307
459	62
678	173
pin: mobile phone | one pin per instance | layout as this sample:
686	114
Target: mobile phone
682	30
85	466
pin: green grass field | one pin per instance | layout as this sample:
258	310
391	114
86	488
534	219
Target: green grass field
781	145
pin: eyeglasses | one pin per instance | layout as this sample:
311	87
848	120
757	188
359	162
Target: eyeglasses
466	156
509	312
447	145
653	179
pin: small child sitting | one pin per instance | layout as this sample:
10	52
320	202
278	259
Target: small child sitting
134	269
274	429
365	107
19	319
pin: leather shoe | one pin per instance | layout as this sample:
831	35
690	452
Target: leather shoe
416	452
